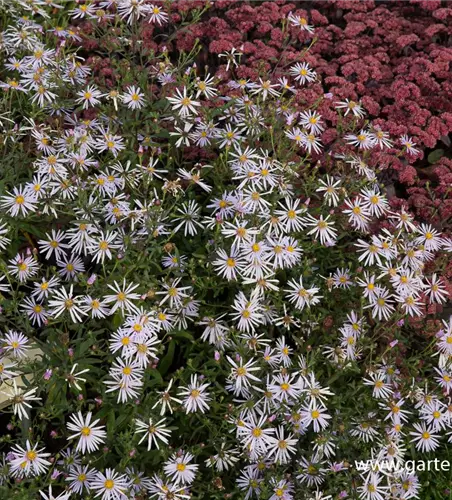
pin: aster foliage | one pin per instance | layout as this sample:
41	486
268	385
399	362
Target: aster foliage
192	304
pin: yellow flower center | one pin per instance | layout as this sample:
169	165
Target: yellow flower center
109	484
142	348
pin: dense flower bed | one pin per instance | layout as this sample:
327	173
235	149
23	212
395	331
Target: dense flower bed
208	289
394	56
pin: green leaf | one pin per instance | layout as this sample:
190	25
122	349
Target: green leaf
117	320
156	374
31	228
167	359
435	156
111	423
122	418
183	334
103	412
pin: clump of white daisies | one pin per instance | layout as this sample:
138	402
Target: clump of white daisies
192	305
